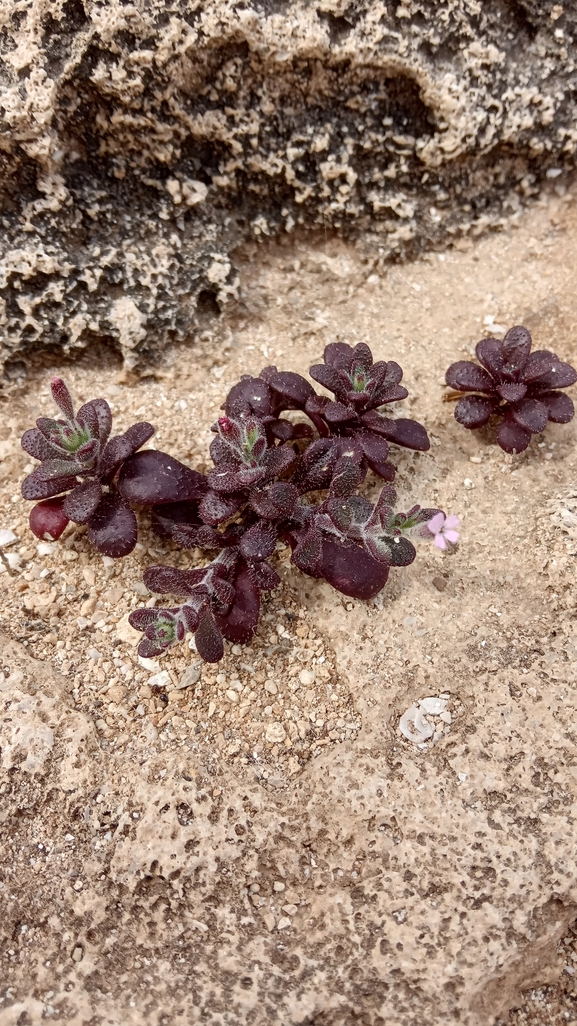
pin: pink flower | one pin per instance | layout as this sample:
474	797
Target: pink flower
444	529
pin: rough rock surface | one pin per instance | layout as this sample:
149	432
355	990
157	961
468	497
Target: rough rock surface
139	142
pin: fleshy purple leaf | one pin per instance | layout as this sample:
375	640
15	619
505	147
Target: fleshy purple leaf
278	500
292	387
531	414
338	354
112	528
241	621
62	397
96	416
512	391
208	639
468	377
347	476
405	432
559	406
278	460
337	413
176	516
263	576
307	551
473	411
47	520
216	507
140	619
328	377
259	541
316	465
516	349
402	551
35	487
250	395
167	580
50	470
37	445
538	365
352	570
490	354
152	478
561	375
119	448
81	502
511	436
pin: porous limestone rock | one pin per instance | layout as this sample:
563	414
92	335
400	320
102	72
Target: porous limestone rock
382	885
141	142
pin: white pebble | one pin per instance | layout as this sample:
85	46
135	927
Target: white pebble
7	537
45	548
307	677
190	676
160	680
148	664
284	923
275	733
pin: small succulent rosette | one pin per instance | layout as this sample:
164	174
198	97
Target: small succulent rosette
520	387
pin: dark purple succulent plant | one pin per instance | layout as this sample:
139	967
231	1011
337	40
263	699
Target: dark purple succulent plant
258	494
89	478
520	386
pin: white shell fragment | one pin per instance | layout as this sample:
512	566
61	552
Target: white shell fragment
417	724
414	727
433	706
7	537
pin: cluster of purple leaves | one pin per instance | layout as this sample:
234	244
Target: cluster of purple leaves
88	477
258	493
517	385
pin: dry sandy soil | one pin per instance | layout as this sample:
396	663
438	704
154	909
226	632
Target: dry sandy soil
163	859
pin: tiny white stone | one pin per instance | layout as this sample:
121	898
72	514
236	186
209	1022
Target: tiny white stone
307	677
160	680
190	676
7	537
45	548
284	923
148	664
275	733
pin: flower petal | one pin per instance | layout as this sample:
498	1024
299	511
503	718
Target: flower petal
435	524
452	536
452	521
440	541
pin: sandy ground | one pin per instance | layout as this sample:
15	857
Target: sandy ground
503	602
